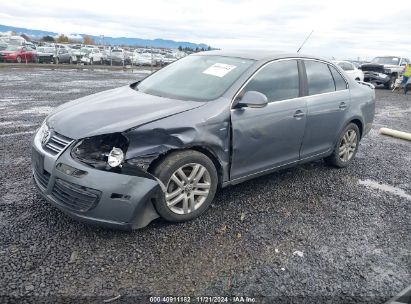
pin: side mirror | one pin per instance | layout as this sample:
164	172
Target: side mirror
253	99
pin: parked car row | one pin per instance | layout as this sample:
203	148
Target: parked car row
83	54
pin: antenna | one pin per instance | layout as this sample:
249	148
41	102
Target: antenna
308	37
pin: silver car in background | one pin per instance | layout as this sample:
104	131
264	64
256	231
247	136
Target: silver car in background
164	145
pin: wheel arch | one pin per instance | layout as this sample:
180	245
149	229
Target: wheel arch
202	149
359	124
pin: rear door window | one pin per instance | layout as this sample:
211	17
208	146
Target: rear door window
319	77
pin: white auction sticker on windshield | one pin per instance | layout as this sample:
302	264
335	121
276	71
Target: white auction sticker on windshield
219	69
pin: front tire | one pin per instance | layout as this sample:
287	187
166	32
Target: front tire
191	181
346	147
391	83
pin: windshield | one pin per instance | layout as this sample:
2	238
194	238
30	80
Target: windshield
199	78
387	60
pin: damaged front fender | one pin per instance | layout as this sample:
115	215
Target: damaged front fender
206	129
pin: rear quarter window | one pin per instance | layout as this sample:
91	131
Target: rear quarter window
340	83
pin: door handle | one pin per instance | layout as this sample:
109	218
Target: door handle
343	105
298	114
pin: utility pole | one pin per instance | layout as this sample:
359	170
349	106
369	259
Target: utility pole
152	59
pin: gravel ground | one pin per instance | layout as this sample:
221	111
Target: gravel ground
309	234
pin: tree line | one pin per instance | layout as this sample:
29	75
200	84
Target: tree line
193	50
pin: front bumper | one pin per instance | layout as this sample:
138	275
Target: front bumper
375	77
104	198
8	58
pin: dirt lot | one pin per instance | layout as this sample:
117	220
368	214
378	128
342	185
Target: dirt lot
350	227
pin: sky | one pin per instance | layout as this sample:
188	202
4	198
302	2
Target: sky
342	29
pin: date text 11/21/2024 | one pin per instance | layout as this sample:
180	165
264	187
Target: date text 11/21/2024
202	299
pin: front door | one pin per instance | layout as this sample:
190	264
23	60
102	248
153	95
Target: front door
265	138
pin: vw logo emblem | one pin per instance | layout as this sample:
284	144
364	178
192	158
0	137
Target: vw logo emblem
46	136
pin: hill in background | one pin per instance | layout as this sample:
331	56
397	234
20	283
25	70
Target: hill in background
159	43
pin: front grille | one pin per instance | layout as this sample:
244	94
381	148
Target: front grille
373	68
42	178
74	196
57	143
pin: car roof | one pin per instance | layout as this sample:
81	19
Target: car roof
263	55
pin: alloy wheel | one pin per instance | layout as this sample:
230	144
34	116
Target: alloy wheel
348	145
188	188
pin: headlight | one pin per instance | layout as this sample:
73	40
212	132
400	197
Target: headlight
387	71
115	157
102	152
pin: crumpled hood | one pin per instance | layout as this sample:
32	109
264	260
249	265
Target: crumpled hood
113	111
379	65
391	66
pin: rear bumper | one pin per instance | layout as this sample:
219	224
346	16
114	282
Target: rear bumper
102	198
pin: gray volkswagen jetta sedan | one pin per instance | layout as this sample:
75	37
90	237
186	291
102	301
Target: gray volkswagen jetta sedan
162	146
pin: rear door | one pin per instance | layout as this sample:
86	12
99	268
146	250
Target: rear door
268	137
328	99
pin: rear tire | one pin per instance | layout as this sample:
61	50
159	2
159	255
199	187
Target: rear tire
346	147
191	181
